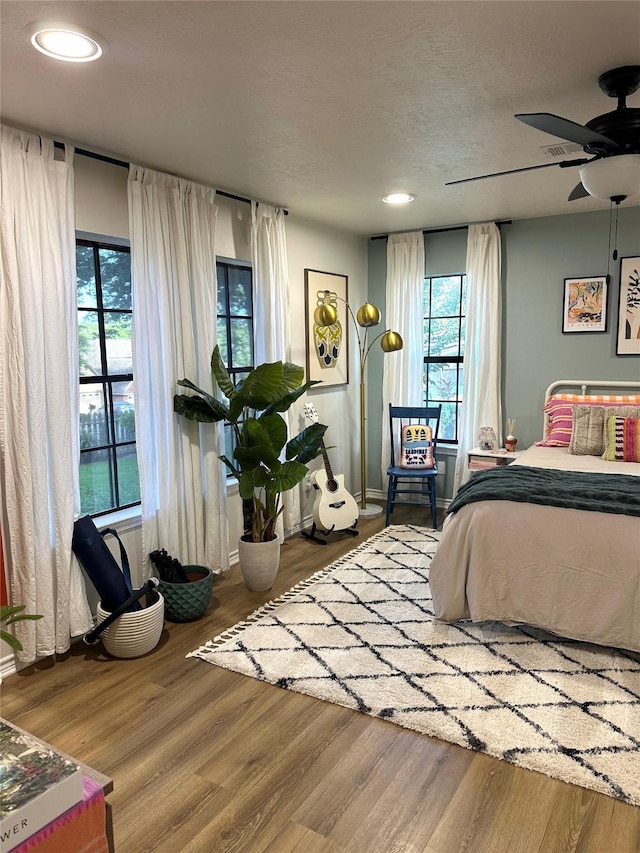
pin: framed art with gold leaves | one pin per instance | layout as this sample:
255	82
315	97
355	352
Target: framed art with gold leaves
327	346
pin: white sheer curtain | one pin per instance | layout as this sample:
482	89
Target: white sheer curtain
402	377
39	391
482	403
271	312
183	485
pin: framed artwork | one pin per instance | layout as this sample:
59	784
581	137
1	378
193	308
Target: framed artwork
327	346
629	307
585	305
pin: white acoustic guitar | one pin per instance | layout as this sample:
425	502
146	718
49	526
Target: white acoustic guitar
334	507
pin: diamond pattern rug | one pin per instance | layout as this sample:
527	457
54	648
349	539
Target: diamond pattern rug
361	633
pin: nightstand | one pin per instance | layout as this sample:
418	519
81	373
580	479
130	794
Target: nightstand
478	460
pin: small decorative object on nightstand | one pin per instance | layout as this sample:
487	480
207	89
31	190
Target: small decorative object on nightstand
511	441
478	459
487	438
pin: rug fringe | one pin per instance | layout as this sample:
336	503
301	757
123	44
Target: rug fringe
264	610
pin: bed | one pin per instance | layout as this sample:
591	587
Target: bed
568	570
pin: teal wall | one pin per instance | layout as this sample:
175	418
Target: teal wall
537	255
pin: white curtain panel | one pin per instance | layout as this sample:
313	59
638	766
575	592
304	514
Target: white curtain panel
271	315
402	375
39	392
482	403
173	264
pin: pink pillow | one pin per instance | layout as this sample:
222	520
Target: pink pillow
559	409
560	423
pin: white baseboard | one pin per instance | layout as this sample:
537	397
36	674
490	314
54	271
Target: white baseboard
8	666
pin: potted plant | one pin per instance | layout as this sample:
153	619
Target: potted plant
254	412
186	589
8	616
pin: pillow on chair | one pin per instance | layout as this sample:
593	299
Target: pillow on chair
416	446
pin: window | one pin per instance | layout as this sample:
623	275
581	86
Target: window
444	308
108	465
235	325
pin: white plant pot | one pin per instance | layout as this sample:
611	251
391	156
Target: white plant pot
134	633
259	562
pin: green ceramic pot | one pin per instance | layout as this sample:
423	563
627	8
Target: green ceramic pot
184	602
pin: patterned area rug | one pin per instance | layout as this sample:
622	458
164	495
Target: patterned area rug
361	633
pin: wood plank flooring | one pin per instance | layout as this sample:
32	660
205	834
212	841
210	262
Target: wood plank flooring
209	761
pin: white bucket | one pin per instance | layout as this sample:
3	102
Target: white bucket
134	633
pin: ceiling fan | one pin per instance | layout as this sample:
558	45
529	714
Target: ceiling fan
613	140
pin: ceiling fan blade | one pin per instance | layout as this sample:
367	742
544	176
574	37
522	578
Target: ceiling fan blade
563	165
565	129
578	192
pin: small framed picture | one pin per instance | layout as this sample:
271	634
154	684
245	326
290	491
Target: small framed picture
585	305
629	308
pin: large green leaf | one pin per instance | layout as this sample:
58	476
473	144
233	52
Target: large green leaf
285	402
307	444
246	485
236	409
10	640
276	427
264	478
10	614
187	383
256	447
199	409
221	375
269	383
287	476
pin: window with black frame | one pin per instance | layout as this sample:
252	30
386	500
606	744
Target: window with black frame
235	325
109	477
444	309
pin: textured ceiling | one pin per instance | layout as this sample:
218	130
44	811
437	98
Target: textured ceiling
324	107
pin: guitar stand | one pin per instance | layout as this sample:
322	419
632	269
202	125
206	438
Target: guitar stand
315	529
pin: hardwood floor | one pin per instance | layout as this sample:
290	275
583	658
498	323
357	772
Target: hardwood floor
208	760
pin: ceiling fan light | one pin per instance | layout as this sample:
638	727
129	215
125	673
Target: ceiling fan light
612	177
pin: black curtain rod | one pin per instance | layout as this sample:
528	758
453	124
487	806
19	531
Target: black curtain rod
442	230
104	159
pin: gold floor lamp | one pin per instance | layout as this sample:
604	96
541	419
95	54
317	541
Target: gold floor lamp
367	315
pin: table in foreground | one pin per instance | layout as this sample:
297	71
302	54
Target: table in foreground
88	825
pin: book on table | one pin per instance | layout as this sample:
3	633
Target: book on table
37	785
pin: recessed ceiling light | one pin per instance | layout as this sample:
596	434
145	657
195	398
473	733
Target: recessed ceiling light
65	41
398	198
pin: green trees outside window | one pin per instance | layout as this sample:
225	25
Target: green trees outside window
109	477
444	308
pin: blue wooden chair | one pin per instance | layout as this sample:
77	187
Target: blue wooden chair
413	479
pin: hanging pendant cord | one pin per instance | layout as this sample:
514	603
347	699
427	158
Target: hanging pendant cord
609	246
615	199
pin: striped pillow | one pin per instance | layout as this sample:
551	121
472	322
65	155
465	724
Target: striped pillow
589	423
559	409
622	440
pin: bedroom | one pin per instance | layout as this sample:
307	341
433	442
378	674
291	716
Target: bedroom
541	247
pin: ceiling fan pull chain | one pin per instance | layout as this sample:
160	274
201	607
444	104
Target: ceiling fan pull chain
615	244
